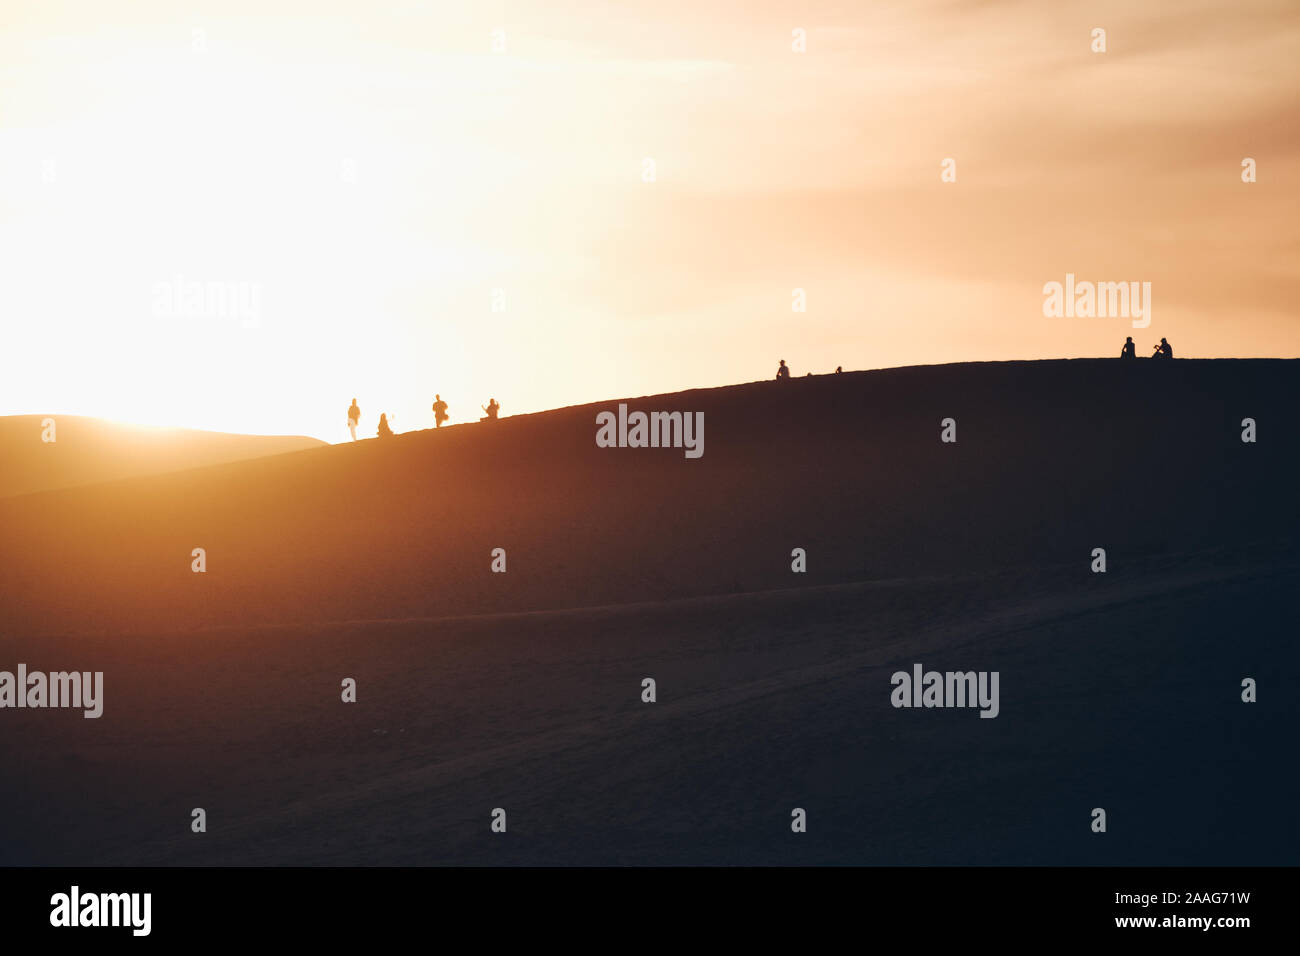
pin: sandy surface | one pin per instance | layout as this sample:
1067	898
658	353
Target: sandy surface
523	691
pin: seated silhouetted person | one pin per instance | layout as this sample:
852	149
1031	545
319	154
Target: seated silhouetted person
782	371
1130	350
384	430
439	411
491	409
1164	350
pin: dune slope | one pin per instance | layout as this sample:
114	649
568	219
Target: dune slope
523	690
1052	459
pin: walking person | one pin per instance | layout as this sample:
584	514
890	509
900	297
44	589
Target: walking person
354	418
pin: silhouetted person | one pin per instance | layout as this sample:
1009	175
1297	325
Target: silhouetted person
384	430
1129	350
782	371
354	418
1163	351
839	369
439	411
491	409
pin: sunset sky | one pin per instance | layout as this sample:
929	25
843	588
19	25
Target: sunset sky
368	173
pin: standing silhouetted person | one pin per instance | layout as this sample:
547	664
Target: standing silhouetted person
384	430
439	411
782	372
354	418
491	409
1129	350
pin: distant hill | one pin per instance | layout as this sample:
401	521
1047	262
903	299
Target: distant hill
1053	459
88	450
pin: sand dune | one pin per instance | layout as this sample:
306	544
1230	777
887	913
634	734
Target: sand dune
522	690
1119	696
1052	460
86	451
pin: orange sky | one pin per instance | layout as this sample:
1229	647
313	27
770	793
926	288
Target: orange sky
367	174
